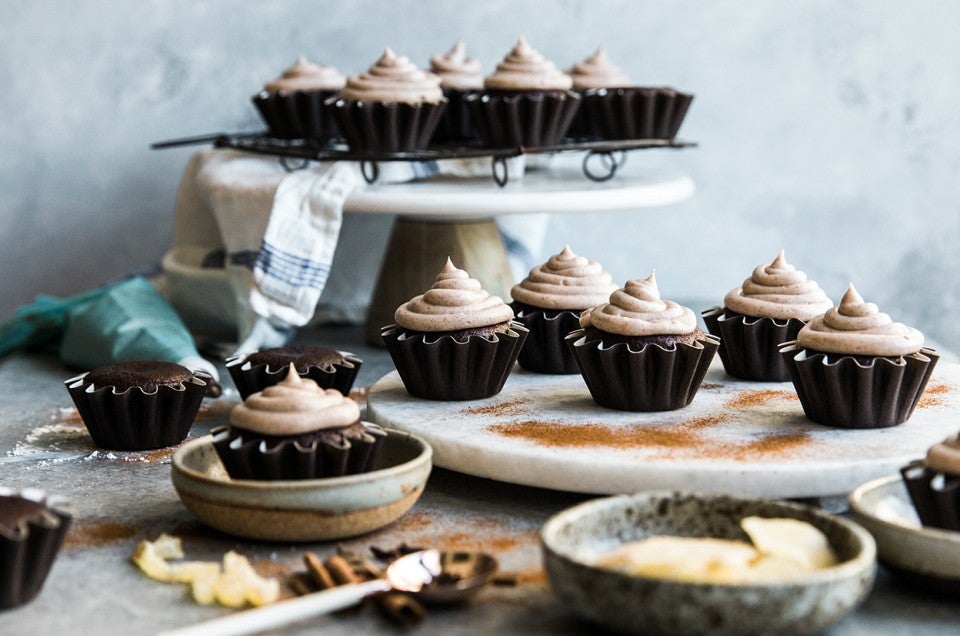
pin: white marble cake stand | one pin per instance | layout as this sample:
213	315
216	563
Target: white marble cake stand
736	437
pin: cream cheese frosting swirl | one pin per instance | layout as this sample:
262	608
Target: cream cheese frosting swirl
565	281
780	291
455	302
859	328
393	78
307	76
524	68
597	71
637	310
945	456
294	406
456	69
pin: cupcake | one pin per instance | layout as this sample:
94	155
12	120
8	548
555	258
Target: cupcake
454	342
32	527
329	368
292	104
548	303
934	485
459	76
296	430
592	74
640	353
853	367
138	404
527	101
393	107
756	318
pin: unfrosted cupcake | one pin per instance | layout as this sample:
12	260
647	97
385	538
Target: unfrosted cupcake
527	101
459	76
455	341
329	368
292	104
934	485
638	352
297	430
854	367
393	107
769	309
549	301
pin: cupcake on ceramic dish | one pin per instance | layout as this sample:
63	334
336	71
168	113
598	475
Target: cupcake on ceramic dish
854	367
393	107
138	404
934	485
459	76
297	430
292	104
640	353
32	528
329	368
549	301
769	309
455	341
527	101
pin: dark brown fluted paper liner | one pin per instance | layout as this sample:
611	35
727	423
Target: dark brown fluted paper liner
136	420
651	379
258	377
633	113
456	122
296	115
935	496
749	346
448	369
379	127
545	350
250	457
511	120
846	394
27	554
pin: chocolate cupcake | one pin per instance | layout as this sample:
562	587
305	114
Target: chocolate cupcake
329	368
640	353
548	302
296	430
138	404
527	101
934	485
292	104
769	309
853	367
32	529
393	107
460	75
454	342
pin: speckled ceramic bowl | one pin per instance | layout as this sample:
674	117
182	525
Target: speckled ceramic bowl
305	509
573	539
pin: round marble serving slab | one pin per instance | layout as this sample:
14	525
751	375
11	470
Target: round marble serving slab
736	437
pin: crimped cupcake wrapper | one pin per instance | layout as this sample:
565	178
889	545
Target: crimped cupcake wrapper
749	346
28	553
456	122
633	113
296	115
545	350
379	127
449	369
847	394
252	378
523	119
935	496
251	457
136	420
651	379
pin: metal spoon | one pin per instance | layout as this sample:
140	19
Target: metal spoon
435	576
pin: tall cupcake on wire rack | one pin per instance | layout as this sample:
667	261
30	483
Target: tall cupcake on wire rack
460	75
292	104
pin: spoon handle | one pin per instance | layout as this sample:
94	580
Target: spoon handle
284	612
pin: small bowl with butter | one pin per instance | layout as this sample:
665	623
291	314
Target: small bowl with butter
684	563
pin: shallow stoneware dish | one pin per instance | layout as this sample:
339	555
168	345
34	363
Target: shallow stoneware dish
573	539
928	558
307	509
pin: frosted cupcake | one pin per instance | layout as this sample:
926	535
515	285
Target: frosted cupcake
934	485
459	76
854	367
455	341
769	309
329	368
292	104
393	107
638	352
549	301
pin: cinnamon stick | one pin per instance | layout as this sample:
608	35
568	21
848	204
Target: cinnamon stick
398	607
318	571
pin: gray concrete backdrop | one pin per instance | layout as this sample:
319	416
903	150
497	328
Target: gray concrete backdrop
829	129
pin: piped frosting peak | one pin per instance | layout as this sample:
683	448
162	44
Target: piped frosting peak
526	69
778	290
307	76
565	281
637	310
393	78
598	71
456	69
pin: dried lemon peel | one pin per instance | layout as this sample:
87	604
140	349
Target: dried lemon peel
234	584
782	549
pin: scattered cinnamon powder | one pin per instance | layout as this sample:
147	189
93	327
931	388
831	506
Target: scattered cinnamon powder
93	533
933	396
359	395
711	386
413	521
158	456
513	407
706	421
751	399
532	577
67	416
775	443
